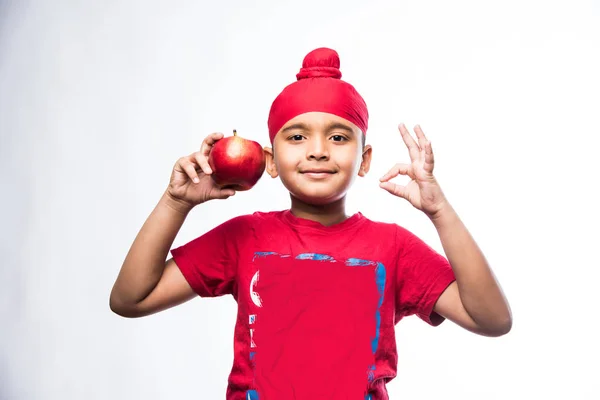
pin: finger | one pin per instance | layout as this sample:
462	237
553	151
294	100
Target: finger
202	161
413	147
395	189
421	137
209	141
429	160
189	168
397	169
202	156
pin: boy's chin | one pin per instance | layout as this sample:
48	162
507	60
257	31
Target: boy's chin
318	199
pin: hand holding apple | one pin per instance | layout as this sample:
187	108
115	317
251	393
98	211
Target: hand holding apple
191	183
236	163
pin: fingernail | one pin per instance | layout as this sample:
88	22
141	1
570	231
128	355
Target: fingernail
196	180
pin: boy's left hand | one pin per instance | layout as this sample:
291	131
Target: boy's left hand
423	191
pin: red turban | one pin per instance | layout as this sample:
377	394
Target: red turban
318	88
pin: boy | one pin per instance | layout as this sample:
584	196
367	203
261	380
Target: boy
319	292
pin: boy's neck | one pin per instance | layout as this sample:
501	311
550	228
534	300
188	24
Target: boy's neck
327	215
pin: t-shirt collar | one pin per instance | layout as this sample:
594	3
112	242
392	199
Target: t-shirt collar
348	223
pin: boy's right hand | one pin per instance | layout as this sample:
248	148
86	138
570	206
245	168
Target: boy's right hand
191	183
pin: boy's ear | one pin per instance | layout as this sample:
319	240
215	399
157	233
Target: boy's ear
270	162
366	160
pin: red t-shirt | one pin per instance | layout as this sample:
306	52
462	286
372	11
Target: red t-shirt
317	305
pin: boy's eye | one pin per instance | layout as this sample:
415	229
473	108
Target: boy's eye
338	138
296	137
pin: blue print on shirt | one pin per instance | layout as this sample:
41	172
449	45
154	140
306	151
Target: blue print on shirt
251	395
380	280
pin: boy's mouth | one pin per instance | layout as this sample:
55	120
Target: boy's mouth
317	173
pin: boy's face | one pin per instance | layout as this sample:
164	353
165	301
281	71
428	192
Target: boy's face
318	156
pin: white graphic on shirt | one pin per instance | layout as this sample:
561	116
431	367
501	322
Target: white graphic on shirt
253	295
252	344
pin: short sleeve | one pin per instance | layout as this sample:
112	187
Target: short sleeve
209	262
422	275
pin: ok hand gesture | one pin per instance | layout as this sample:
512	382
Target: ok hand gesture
423	191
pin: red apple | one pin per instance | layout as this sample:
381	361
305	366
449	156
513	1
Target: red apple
236	162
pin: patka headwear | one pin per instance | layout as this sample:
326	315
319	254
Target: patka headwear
318	88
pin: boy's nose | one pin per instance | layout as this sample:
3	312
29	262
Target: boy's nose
317	150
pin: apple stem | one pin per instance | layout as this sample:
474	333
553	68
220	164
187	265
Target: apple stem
234	132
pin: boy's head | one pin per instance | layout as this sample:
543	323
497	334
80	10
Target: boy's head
317	126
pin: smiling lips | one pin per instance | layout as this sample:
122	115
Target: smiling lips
317	173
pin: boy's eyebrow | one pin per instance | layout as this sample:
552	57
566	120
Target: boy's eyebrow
329	127
295	126
339	125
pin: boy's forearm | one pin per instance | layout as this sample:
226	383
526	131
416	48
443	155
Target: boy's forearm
145	261
479	291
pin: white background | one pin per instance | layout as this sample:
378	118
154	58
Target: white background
99	99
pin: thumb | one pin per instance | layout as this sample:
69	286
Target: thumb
224	193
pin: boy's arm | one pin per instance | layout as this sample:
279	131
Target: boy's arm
475	300
146	284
